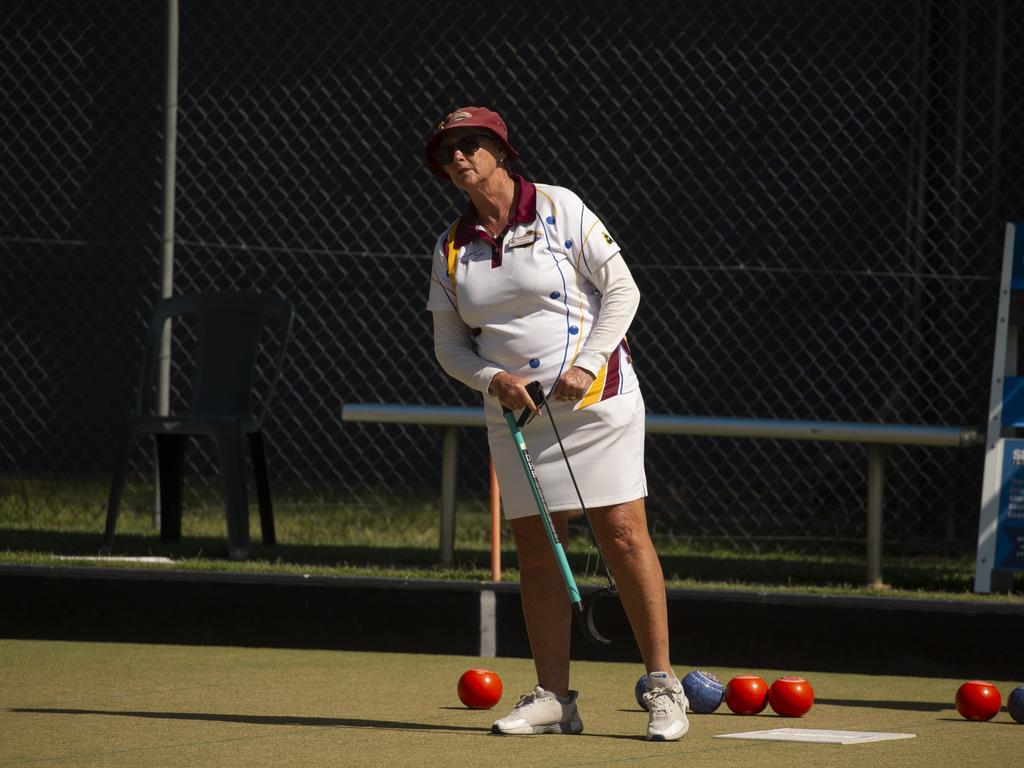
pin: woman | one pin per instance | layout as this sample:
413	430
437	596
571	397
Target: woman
528	285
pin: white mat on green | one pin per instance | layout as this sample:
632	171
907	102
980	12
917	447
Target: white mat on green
817	736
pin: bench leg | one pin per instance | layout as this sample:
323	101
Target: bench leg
449	462
876	500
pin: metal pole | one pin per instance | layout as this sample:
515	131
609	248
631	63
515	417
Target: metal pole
449	462
163	382
876	500
495	510
1004	364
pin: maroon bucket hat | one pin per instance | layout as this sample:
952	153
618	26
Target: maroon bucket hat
468	117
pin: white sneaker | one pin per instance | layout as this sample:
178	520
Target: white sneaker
540	711
666	707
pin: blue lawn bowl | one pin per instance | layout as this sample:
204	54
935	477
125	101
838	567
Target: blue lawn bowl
704	692
640	690
1015	704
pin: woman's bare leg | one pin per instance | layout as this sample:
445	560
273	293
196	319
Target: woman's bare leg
621	533
546	606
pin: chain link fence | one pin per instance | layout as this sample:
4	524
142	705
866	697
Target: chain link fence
810	196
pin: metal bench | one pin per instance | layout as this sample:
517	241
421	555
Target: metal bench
879	438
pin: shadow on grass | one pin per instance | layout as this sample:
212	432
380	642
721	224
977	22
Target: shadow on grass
319	722
795	570
990	723
909	706
316	722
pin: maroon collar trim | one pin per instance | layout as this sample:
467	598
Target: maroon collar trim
524	211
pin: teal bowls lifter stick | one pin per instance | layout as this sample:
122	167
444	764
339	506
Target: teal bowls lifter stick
549	529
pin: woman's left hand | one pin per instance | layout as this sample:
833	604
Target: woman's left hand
572	385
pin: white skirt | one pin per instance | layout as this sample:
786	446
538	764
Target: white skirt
604	443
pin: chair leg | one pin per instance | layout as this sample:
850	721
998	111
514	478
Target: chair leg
117	489
236	505
259	468
170	451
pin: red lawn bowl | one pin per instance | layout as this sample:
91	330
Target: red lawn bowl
791	696
746	694
978	700
479	688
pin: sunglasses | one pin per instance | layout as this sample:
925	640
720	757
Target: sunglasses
467	145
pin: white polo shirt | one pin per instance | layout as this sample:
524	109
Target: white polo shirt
528	298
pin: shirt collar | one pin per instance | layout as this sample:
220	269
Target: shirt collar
524	211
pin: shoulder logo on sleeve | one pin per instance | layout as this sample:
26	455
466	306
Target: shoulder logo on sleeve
607	238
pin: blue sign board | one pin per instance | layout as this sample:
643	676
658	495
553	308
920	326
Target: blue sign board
1010	525
1017	271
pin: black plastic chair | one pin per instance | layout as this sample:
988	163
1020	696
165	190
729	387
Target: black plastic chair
229	334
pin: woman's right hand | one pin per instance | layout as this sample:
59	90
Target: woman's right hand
511	392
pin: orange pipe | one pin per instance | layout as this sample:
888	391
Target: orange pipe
495	523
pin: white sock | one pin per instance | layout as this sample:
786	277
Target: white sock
659	680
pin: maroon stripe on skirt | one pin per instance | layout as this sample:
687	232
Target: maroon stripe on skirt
611	381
